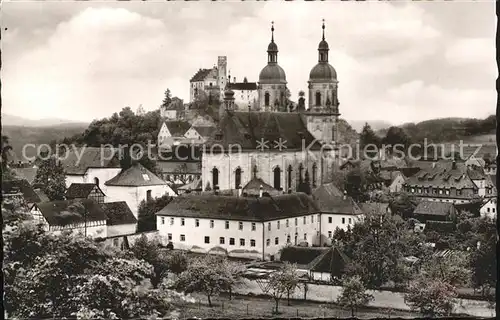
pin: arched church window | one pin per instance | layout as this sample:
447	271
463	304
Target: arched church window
318	99
277	178
96	181
195	91
237	178
314	170
215	177
289	178
301	168
266	99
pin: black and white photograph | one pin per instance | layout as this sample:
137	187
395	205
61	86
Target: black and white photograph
249	159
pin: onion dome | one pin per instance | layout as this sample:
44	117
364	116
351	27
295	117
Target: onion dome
323	71
272	73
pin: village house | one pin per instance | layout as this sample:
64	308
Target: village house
174	111
253	227
85	191
172	133
210	82
245	93
91	165
120	219
199	134
393	180
375	207
435	211
21	190
488	209
134	185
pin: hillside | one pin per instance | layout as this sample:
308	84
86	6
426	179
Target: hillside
376	125
451	130
11	120
22	135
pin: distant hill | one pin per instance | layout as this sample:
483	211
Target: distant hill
376	125
11	120
450	130
22	135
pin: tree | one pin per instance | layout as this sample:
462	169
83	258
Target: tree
167	99
51	176
177	262
452	269
396	135
353	294
483	262
431	297
368	136
355	184
283	281
147	210
233	275
402	205
151	252
7	173
206	275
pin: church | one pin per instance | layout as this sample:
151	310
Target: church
272	143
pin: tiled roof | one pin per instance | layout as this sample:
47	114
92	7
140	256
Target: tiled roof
302	256
176	167
118	213
436	208
90	158
240	208
20	186
476	173
333	261
253	187
327	190
43	197
28	174
493	179
246	129
335	204
442	176
194	185
200	75
80	190
135	176
177	128
205	132
65	212
377	207
242	86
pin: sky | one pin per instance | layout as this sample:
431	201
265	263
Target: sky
397	62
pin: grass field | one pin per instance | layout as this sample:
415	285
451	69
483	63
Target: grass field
259	307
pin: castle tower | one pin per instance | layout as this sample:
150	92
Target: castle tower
222	74
272	81
323	112
228	103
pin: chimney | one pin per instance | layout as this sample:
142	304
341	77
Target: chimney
239	190
260	191
345	195
453	165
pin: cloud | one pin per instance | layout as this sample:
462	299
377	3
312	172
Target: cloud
471	51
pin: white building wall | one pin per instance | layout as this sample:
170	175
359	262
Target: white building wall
163	134
134	195
275	91
70	179
194	136
103	174
489	209
94	229
481	185
121	229
266	162
340	221
245	98
397	184
168	114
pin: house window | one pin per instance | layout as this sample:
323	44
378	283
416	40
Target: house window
488	210
207	239
240	225
268	242
215	177
162	220
440	191
183	237
312	219
289	178
277	178
288	239
493	210
253	226
221	240
169	237
148	195
277	225
314	169
305	220
211	224
231	241
266	99
171	221
242	242
276	241
343	220
475	191
252	243
116	242
237	178
412	190
305	236
296	221
329	234
197	222
269	226
227	224
318	99
330	220
183	222
287	223
459	192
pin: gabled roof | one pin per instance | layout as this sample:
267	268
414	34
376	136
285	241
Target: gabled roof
327	190
177	128
200	75
247	129
205	132
333	261
21	187
43	197
240	208
336	204
476	173
64	212
81	190
302	256
493	179
442	175
436	208
90	158
242	85
135	176
253	187
118	213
